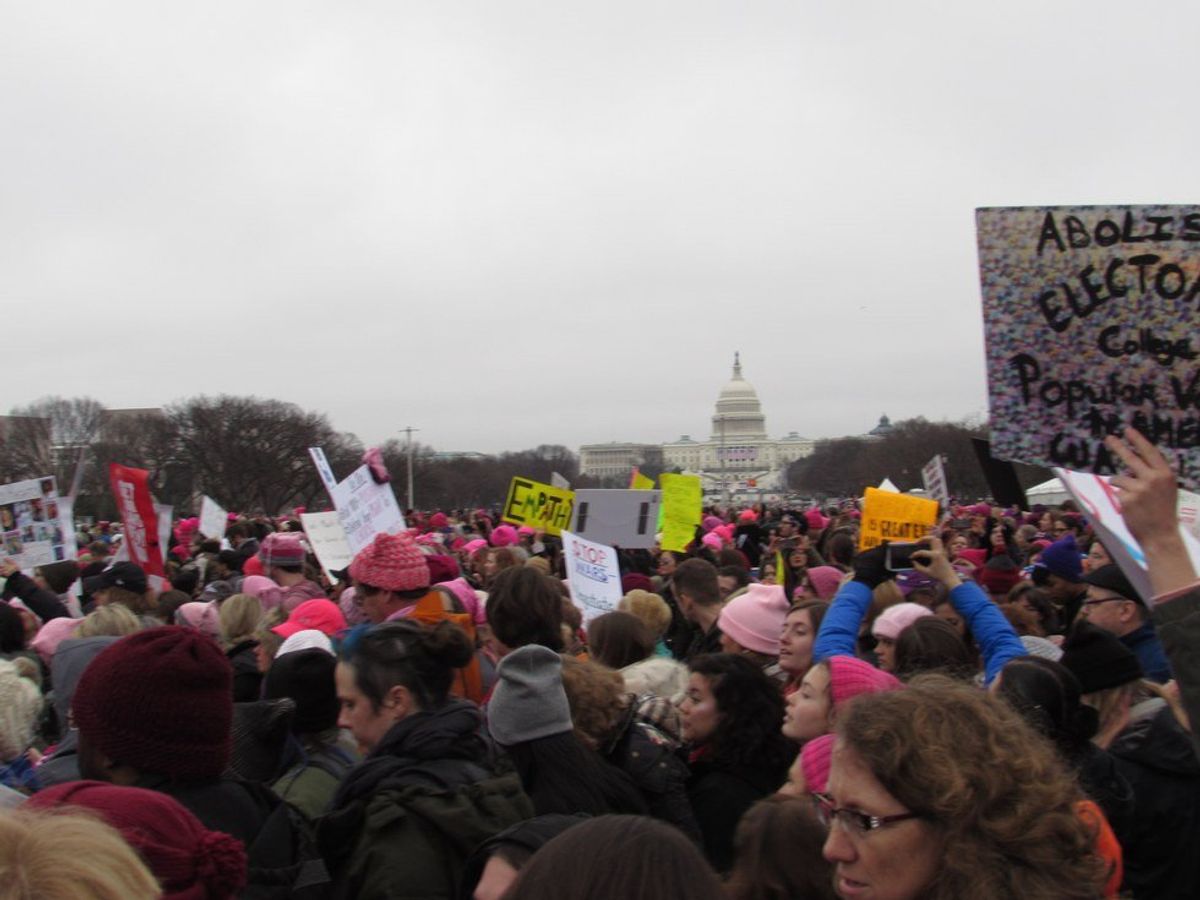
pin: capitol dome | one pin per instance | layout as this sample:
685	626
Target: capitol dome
738	412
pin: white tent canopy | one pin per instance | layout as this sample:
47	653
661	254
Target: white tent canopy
1048	493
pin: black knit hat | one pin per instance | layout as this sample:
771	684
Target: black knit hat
307	677
1111	578
1098	658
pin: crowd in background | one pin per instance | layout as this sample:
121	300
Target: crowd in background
770	713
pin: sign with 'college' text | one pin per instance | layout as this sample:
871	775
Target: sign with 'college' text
540	506
894	517
592	574
1090	319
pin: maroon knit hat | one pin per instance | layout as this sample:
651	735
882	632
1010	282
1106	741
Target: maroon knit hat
160	700
393	562
442	568
189	861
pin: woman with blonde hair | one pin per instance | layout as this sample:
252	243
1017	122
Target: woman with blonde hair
239	619
941	791
68	856
113	620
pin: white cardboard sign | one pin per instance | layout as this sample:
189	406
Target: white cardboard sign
619	518
933	475
328	540
592	574
213	519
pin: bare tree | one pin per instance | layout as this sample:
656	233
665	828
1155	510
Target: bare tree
47	437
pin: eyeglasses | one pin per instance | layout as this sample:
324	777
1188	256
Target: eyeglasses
1103	600
855	822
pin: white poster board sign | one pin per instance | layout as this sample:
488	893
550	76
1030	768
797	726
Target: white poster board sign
213	519
328	541
33	529
366	508
1099	503
933	476
592	574
618	518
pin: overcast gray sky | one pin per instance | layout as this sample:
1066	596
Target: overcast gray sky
512	223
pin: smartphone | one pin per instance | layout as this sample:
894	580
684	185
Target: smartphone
899	557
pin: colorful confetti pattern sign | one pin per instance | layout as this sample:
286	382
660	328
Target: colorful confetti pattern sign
1090	319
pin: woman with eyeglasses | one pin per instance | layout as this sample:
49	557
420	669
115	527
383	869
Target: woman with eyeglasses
942	791
426	794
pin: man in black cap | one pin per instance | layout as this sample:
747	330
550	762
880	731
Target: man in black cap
1114	604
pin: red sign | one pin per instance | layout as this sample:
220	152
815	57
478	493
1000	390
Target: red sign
131	489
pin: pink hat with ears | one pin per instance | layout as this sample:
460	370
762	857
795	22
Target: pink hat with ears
895	619
825	581
201	616
504	536
50	635
472	546
850	676
468	597
815	520
755	618
713	541
815	759
269	594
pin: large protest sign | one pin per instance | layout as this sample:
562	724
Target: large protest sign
933	476
538	505
1089	316
365	508
592	574
894	517
213	519
1099	501
35	529
328	541
131	489
681	510
620	518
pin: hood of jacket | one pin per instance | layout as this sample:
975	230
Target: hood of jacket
70	659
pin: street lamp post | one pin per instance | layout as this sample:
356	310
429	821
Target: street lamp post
408	430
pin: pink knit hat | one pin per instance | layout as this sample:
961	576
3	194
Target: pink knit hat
825	581
282	548
815	520
755	619
747	515
269	594
472	546
712	541
895	619
850	676
392	562
468	597
711	522
201	616
50	635
504	536
815	758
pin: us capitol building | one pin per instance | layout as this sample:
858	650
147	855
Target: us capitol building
738	454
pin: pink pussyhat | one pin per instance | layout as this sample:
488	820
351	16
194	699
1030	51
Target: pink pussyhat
815	759
850	676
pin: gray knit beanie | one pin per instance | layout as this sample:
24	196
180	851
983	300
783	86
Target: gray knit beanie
529	701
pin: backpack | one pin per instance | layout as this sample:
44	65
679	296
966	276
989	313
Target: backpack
283	859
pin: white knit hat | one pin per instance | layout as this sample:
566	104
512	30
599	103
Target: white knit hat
20	705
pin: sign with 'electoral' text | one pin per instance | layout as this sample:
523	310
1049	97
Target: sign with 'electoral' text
1090	323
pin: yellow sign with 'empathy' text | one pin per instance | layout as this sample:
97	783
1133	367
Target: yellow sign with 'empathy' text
538	505
887	516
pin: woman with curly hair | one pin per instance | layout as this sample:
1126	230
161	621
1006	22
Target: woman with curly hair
940	791
732	713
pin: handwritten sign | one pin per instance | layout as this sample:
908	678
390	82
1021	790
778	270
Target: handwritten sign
35	530
592	574
618	518
365	508
681	503
894	517
213	519
933	476
328	541
640	482
539	505
1089	319
1097	498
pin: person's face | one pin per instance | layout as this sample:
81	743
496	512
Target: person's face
666	565
958	543
1097	557
698	710
947	613
809	708
373	602
726	585
786	529
1059	529
997	536
490	566
1045	522
798	558
897	861
767	574
498	876
796	642
1106	609
885	649
368	725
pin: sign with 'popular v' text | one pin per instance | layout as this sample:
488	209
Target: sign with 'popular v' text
1090	317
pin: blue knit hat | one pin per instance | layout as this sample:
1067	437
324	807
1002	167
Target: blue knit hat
1062	558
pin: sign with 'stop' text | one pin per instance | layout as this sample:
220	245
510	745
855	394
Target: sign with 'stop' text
540	506
592	574
894	517
1089	319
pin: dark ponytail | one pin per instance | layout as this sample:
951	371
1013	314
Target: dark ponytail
404	652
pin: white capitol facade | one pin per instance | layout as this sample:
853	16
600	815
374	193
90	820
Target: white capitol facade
738	453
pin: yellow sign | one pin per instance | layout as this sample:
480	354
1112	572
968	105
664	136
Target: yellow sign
681	504
539	505
640	482
895	517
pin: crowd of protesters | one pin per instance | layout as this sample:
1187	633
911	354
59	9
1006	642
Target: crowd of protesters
767	714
